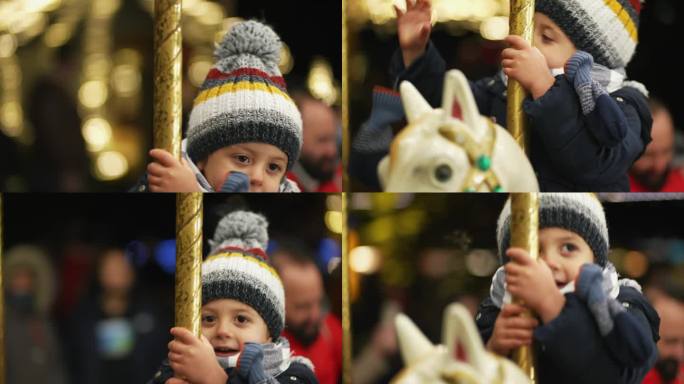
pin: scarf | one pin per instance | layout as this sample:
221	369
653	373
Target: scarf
591	80
611	285
277	358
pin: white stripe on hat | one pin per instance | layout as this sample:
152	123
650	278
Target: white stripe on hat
249	265
613	32
243	100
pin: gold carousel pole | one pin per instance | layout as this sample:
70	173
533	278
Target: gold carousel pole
346	310
345	99
524	234
524	206
521	24
346	314
167	76
167	135
188	260
2	306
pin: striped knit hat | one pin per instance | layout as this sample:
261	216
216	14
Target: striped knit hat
581	213
244	97
607	29
238	269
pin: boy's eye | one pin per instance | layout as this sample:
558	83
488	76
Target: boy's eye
242	319
568	247
243	159
274	167
546	39
208	318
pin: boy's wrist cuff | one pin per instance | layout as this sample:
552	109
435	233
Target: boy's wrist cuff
589	276
250	362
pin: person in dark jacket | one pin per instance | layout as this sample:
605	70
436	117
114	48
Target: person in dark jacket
242	317
33	352
588	124
116	332
590	326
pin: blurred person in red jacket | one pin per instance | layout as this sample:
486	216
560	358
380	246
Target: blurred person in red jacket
318	168
669	368
312	332
654	171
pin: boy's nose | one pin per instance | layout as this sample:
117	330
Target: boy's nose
256	176
224	330
548	259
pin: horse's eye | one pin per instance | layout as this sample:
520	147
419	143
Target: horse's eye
443	173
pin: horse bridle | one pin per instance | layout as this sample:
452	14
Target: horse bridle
479	155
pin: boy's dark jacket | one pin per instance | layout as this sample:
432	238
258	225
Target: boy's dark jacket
565	149
295	373
570	349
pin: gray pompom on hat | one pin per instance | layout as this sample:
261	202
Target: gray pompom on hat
249	44
581	213
244	97
238	269
240	229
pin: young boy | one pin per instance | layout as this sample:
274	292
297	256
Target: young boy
590	326
243	315
587	124
245	132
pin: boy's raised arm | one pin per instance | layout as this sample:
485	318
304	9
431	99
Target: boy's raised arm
413	28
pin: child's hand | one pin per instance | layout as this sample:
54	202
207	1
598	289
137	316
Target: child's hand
511	330
532	282
193	359
527	65
167	174
413	28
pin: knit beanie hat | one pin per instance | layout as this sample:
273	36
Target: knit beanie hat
244	97
607	29
581	213
238	269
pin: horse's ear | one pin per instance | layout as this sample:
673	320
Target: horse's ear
414	104
457	89
458	329
412	342
383	171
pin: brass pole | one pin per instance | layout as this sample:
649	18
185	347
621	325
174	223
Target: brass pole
188	260
346	314
521	24
524	234
345	99
2	306
167	76
346	310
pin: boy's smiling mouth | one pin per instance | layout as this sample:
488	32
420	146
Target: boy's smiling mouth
225	351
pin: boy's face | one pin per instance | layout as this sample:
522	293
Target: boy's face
228	324
553	43
264	164
564	252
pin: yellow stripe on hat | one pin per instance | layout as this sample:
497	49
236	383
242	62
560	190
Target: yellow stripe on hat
624	17
245	85
252	259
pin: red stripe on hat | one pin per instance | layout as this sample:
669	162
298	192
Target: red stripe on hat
636	4
389	91
254	251
215	74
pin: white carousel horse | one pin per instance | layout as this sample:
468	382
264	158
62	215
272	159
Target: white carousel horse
426	363
437	152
